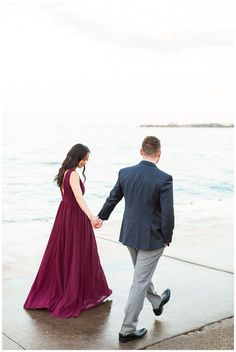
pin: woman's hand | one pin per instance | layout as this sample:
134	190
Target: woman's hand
95	221
100	222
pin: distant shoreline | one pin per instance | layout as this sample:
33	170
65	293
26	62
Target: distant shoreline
208	125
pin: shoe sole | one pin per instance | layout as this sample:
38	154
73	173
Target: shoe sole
127	339
162	306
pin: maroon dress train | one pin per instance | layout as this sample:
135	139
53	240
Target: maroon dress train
70	278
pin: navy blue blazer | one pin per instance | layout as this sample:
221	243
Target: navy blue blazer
148	219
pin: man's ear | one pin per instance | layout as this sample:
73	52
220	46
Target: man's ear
141	151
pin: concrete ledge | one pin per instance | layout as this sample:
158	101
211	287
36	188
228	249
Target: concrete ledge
217	336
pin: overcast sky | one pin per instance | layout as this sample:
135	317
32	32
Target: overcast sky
118	62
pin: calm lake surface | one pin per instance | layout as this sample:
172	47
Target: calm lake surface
199	159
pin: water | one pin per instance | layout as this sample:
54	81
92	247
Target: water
200	160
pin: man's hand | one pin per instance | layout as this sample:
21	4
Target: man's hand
94	221
99	224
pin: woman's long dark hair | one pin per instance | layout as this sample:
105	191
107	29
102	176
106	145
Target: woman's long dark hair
77	153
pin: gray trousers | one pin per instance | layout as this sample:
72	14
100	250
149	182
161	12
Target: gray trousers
145	263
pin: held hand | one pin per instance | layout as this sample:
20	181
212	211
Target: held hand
96	222
99	224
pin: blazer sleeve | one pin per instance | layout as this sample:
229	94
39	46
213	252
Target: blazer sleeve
115	196
167	210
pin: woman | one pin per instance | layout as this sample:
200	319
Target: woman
70	278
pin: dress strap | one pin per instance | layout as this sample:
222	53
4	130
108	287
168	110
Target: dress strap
66	177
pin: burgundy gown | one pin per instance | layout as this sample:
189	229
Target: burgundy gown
70	278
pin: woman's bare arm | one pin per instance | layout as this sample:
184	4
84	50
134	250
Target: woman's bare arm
75	185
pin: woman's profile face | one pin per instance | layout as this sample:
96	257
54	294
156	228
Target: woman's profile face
83	162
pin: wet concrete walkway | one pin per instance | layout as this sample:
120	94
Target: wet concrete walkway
201	295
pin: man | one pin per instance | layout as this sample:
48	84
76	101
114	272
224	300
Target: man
147	227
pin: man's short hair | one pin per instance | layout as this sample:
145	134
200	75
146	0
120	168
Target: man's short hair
151	145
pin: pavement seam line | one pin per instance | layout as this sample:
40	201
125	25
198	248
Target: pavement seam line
187	332
13	341
204	266
181	260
